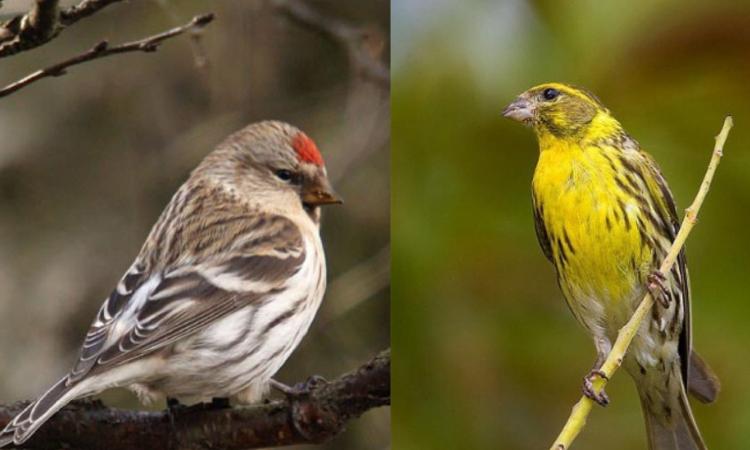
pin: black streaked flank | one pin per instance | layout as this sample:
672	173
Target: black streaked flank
541	231
567	241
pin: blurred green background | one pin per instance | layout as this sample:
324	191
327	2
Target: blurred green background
88	161
487	355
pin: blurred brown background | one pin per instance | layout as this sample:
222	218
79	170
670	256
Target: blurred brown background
88	161
486	354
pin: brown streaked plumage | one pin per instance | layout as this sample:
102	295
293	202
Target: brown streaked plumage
222	291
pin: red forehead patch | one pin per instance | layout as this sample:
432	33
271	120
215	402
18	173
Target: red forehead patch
306	149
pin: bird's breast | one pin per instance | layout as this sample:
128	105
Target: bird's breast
592	227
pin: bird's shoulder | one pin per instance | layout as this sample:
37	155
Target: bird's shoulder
206	223
643	168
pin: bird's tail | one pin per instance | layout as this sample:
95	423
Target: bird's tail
675	430
33	416
703	384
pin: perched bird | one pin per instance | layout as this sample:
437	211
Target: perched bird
224	288
606	218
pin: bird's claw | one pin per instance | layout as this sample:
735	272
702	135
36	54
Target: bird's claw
313	382
299	389
658	288
600	398
298	397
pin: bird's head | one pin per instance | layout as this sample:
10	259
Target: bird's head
557	109
275	164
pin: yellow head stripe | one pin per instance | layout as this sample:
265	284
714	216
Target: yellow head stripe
571	90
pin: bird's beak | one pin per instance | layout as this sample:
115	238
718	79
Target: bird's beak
520	110
320	192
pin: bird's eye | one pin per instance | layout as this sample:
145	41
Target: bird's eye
284	175
550	93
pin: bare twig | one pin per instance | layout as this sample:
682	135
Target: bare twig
364	45
42	24
312	418
199	52
84	9
30	30
581	410
102	49
43	17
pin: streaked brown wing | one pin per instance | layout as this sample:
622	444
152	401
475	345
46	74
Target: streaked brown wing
99	331
181	301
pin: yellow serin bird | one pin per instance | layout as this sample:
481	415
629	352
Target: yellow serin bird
605	218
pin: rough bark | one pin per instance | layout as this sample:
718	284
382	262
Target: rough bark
312	417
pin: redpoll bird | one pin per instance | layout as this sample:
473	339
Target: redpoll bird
224	288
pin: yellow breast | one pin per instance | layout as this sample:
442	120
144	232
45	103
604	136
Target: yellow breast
592	226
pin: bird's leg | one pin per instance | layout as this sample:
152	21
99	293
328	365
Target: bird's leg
658	289
603	347
298	389
287	390
283	388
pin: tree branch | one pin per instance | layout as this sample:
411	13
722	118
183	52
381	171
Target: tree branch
364	45
30	30
312	418
42	24
84	9
102	50
581	410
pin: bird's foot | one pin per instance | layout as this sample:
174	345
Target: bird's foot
299	389
600	398
658	288
304	413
